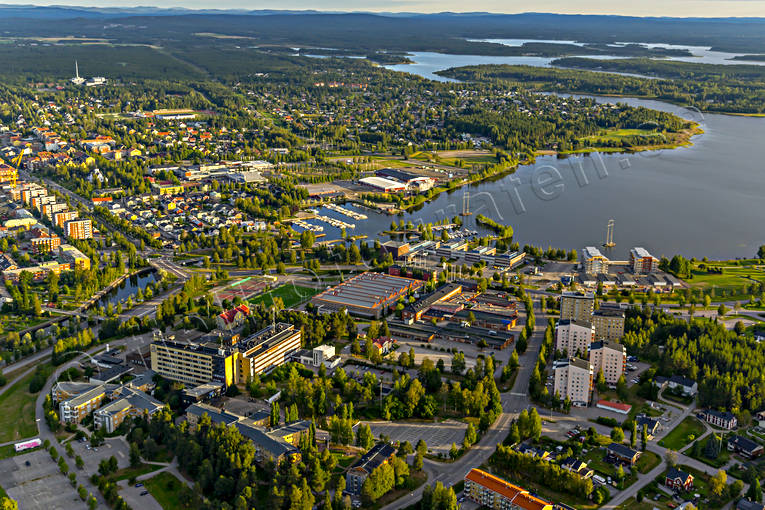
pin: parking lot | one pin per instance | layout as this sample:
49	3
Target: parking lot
132	496
438	436
39	485
92	456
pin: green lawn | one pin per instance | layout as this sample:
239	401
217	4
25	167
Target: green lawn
291	295
647	461
17	412
167	490
678	438
129	472
733	280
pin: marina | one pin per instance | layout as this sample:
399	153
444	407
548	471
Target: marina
346	212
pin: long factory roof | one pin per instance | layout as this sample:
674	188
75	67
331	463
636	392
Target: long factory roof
368	290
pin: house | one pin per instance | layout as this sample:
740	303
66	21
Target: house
232	319
652	425
688	387
383	345
678	480
744	447
577	466
621	453
540	453
378	455
724	420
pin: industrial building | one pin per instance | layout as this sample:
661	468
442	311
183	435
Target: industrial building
369	295
415	311
382	184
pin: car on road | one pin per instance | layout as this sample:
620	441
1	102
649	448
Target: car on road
144	493
139	485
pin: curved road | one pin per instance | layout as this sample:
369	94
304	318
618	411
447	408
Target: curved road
513	402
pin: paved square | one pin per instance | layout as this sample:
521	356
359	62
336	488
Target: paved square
39	485
438	436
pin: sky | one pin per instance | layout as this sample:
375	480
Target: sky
677	8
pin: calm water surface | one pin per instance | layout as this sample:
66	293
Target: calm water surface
704	200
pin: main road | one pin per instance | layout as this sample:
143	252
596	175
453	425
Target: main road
513	402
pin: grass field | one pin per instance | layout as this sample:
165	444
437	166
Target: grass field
678	438
734	279
166	489
290	295
451	158
130	472
647	461
17	412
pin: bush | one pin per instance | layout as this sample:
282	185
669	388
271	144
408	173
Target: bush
608	422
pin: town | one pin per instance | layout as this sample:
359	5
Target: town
222	294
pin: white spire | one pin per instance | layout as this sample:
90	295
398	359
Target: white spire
76	70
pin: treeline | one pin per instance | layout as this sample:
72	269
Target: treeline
727	366
705	88
503	231
554	477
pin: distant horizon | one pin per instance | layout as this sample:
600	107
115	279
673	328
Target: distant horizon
681	9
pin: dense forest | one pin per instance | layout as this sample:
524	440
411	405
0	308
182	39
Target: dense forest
726	365
444	32
714	88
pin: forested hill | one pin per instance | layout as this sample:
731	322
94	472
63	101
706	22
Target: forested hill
704	86
434	32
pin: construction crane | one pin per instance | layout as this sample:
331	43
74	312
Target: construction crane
610	235
11	174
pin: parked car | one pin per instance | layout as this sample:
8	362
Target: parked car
144	493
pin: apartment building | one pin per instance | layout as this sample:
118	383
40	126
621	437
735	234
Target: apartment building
132	403
193	364
608	324
79	229
610	358
573	379
573	336
378	455
44	242
74	257
577	306
198	363
493	492
60	218
75	409
643	262
594	262
266	350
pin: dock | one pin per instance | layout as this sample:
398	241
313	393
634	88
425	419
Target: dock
346	212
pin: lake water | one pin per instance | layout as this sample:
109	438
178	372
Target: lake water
700	54
702	200
128	288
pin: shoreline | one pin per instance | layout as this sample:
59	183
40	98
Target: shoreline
685	141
